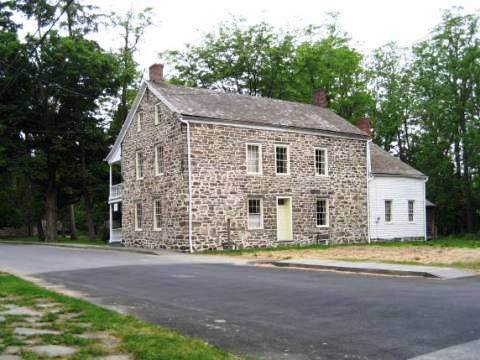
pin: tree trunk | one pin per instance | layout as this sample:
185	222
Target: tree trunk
41	233
73	226
88	214
51	212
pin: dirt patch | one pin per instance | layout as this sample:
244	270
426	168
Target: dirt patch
418	254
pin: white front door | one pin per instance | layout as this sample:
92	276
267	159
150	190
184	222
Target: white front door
284	219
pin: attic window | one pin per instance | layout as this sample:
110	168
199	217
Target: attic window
158	114
139	121
282	165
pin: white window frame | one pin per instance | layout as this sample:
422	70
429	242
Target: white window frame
156	153
288	158
315	161
413	211
260	166
138	224
260	227
139	165
156	225
327	213
156	119
139	121
385	210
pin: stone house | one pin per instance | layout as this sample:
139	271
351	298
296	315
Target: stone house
205	170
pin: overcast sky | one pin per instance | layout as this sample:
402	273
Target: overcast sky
371	23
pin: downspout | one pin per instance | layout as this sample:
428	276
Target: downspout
189	165
425	208
369	178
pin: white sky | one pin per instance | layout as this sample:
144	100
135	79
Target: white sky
370	23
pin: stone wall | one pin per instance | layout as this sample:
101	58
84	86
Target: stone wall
221	186
171	187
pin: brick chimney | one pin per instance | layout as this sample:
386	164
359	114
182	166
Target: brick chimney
156	72
364	125
320	98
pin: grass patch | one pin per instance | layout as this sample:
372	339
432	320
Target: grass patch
82	239
142	340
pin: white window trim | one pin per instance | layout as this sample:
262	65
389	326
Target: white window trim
155	151
261	214
385	211
413	212
288	159
139	121
156	120
260	165
138	228
137	165
155	225
315	161
327	214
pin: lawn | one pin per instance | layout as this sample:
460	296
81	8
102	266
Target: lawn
82	239
462	252
32	317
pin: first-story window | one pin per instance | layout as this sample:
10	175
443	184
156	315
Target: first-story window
139	164
321	212
411	210
158	160
157	214
282	165
254	159
255	214
388	210
138	216
139	121
321	162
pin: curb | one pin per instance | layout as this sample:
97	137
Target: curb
81	246
353	269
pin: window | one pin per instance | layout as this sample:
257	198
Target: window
411	210
254	159
139	164
282	165
158	160
157	114
157	214
321	212
139	121
321	162
388	210
138	216
255	214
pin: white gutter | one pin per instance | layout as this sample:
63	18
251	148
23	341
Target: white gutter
189	164
369	178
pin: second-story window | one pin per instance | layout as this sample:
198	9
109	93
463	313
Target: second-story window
321	162
139	165
282	165
139	121
159	165
254	159
158	114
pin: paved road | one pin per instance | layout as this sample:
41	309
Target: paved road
268	312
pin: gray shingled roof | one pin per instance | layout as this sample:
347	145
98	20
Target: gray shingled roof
253	109
384	163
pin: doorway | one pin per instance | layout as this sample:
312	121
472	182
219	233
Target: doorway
284	219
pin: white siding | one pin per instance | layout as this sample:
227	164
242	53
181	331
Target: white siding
399	190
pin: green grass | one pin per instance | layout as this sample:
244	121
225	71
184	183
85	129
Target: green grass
467	241
142	340
82	239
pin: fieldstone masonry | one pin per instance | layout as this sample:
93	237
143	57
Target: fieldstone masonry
221	187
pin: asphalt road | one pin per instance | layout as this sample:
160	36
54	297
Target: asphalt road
269	313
